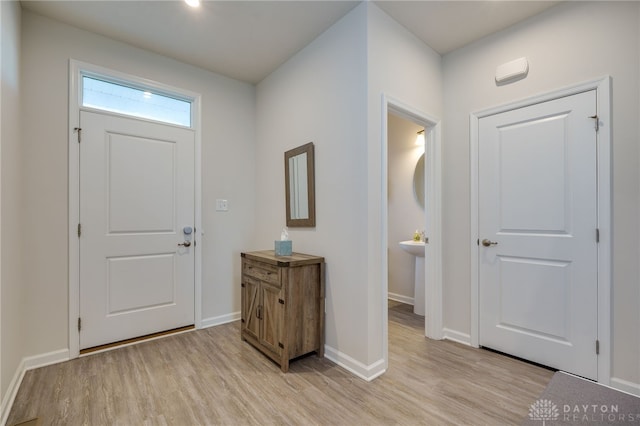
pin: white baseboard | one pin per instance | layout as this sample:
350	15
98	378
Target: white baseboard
400	298
221	319
365	372
43	360
456	336
28	363
12	391
625	386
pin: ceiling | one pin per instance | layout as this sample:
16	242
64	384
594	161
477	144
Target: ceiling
247	40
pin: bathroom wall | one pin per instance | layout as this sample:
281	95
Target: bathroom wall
228	157
568	44
11	288
405	214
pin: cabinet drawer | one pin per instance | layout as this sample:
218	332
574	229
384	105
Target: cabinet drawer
261	271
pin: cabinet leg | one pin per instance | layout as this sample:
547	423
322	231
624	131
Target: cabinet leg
284	366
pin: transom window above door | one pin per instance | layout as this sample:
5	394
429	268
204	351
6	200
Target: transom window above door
118	97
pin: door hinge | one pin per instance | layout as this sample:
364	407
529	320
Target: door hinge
597	235
597	119
79	324
597	347
78	130
280	345
79	230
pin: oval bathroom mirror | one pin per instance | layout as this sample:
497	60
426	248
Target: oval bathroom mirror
300	186
418	181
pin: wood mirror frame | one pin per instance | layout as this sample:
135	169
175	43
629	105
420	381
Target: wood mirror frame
293	181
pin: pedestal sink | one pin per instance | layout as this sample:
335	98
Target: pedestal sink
416	248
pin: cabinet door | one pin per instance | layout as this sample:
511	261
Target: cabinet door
272	317
250	303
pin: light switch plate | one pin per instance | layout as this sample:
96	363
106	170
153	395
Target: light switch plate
222	205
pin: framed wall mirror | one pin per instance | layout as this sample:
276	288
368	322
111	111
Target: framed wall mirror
300	186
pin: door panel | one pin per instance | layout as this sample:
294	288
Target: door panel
136	195
140	165
532	161
138	282
272	317
537	191
534	296
249	309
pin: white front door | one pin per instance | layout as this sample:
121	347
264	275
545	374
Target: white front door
538	215
136	198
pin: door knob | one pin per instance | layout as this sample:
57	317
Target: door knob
185	244
488	243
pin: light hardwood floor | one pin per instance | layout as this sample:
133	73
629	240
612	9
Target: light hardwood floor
211	377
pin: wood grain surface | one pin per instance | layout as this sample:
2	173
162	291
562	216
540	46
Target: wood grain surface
211	377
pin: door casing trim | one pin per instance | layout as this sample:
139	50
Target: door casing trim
602	86
75	69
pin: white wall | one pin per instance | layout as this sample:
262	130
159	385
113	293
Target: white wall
228	132
405	214
330	93
568	44
319	96
11	295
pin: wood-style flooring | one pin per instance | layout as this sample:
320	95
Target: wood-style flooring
211	377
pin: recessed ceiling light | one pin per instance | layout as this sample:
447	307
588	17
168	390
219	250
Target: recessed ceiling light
192	3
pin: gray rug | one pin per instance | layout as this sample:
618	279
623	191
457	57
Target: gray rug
570	400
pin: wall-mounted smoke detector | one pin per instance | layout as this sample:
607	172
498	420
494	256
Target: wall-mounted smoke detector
512	71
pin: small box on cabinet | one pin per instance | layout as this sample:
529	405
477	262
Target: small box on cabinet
283	247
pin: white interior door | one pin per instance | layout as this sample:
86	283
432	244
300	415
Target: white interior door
538	213
136	198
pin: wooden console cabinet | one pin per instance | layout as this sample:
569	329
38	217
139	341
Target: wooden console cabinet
283	304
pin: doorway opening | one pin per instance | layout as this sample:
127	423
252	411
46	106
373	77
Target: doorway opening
406	212
399	171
